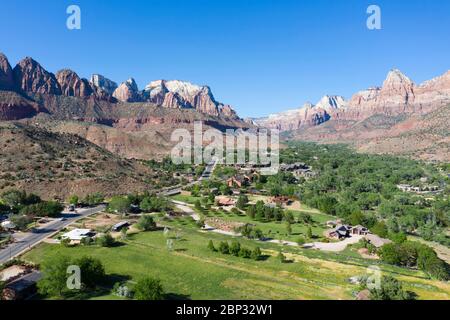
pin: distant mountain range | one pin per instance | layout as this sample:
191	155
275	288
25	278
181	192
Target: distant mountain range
29	77
398	95
120	118
398	118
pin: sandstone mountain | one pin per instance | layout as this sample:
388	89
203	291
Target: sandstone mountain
29	78
121	119
56	165
380	119
6	73
398	95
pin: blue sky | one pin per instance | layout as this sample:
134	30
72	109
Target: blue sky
261	56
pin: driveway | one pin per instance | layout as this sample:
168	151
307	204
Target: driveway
334	246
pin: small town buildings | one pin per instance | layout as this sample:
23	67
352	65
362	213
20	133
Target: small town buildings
226	202
341	231
78	234
8	225
410	188
280	200
359	230
119	226
346	231
238	181
22	288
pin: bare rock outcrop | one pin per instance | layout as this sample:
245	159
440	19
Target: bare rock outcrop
128	92
30	76
72	85
6	74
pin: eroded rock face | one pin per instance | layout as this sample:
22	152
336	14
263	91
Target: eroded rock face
30	76
102	86
181	94
72	85
306	116
128	92
398	95
6	74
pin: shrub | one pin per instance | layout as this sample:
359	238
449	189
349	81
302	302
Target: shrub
106	240
245	253
211	246
235	248
256	254
224	248
148	289
146	223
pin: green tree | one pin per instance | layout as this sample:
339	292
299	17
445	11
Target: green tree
309	233
224	247
244	253
74	200
148	289
54	276
288	228
92	272
390	289
281	257
242	201
120	204
146	223
211	246
380	229
105	240
94	199
235	248
256	254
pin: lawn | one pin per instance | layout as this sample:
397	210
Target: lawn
191	271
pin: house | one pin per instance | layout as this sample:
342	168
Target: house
280	200
119	226
334	223
359	230
8	225
293	166
78	234
238	181
341	231
226	202
22	288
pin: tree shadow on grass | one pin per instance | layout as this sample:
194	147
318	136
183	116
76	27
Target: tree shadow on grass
102	289
176	296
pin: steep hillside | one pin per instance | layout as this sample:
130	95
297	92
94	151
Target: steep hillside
57	165
420	136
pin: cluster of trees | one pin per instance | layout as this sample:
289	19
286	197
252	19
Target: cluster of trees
390	289
415	254
261	212
56	276
92	199
146	223
236	250
23	207
362	189
144	203
250	232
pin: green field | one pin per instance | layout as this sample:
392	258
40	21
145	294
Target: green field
191	271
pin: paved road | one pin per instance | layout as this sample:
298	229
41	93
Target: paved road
209	169
39	234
